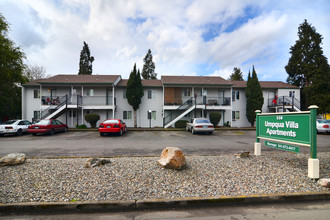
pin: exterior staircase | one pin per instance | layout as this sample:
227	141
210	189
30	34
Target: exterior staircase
186	107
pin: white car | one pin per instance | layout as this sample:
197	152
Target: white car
323	125
16	127
200	125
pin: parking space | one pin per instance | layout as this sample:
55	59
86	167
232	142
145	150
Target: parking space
137	143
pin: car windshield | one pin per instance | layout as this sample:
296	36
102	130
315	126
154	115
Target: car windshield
202	121
10	122
43	122
113	121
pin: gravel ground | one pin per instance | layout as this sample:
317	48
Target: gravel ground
126	178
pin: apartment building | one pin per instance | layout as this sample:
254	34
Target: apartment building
70	97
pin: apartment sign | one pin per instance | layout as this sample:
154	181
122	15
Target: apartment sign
294	128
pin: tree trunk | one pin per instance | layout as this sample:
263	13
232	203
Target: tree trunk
135	121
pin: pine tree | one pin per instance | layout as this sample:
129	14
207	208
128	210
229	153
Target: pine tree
254	97
308	68
237	75
134	91
86	60
148	71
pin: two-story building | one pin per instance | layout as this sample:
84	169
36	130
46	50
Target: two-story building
70	97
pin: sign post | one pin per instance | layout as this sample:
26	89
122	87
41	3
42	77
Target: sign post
292	128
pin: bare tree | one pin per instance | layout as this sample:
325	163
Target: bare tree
35	72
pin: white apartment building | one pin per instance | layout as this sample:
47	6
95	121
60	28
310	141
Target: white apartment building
70	97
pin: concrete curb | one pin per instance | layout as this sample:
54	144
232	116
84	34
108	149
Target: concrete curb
154	204
162	129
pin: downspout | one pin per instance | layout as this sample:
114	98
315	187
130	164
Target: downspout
113	101
231	107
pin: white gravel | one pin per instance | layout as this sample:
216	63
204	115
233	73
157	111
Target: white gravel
126	178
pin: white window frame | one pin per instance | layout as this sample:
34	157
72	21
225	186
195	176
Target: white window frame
151	94
153	115
38	93
90	92
128	115
235	115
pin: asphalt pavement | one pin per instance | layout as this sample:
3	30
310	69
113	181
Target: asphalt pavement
138	143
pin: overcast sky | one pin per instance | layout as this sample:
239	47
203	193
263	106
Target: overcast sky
201	37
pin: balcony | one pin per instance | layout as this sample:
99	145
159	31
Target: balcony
79	100
199	100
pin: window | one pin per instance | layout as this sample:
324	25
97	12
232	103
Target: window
36	93
235	115
186	92
36	114
72	114
292	93
90	92
151	94
127	114
235	95
124	94
152	115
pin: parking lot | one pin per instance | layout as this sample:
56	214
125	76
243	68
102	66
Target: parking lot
138	143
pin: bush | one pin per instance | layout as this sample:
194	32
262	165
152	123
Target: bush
83	126
215	118
92	118
181	124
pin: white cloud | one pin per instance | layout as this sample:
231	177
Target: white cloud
119	33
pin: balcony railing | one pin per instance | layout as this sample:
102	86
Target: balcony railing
79	100
201	100
284	101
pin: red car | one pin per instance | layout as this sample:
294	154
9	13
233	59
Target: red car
48	126
112	126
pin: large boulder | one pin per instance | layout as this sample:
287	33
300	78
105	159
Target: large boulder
12	159
324	182
172	158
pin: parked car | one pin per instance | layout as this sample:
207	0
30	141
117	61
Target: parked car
323	125
112	126
16	127
48	126
200	125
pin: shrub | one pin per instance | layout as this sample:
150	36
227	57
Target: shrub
181	124
83	126
92	118
215	118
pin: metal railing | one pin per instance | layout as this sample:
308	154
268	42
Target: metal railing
284	101
190	102
64	100
201	100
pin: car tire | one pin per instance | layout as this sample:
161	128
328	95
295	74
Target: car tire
19	132
52	132
34	134
211	132
65	129
101	134
120	132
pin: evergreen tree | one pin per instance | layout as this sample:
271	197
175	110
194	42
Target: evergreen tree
254	97
308	68
134	91
148	71
11	74
237	75
86	60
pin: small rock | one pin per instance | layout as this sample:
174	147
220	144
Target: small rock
12	159
324	182
172	158
95	162
242	154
